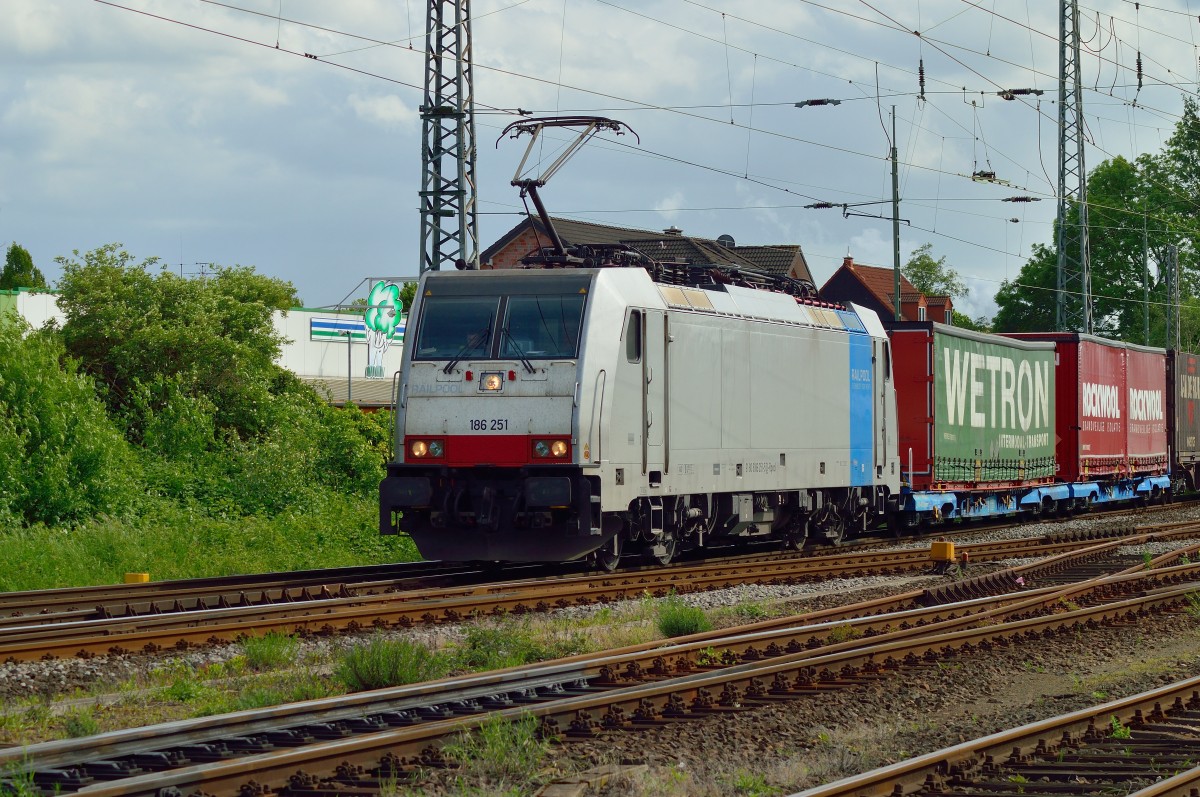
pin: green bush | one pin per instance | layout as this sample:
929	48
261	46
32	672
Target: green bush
209	337
154	431
80	722
676	618
61	459
388	662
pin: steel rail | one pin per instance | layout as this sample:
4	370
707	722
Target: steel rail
155	633
693	695
964	763
159	596
609	670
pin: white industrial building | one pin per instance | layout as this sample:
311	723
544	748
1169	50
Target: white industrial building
326	349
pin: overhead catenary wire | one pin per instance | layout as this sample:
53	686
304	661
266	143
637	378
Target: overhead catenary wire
749	127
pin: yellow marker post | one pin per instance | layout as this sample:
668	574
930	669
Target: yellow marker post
137	578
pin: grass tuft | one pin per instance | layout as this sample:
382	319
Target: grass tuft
505	754
270	651
511	643
676	618
388	662
80	722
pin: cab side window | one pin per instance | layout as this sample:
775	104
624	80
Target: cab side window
633	337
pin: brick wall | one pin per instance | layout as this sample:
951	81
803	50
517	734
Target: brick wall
510	256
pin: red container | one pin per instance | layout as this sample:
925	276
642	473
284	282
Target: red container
1183	379
1146	393
1111	407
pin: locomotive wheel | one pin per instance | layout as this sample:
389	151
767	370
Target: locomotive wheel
662	550
608	558
828	526
795	534
794	541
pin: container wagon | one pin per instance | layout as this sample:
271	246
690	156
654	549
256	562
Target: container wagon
1111	417
976	433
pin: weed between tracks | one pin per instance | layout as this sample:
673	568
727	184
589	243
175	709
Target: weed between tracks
277	668
270	651
388	662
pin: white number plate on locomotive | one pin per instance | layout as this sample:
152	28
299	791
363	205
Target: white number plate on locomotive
488	424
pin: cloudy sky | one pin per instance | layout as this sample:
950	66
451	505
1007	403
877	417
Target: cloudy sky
198	132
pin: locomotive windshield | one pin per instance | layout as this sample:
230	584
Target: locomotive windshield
541	326
512	326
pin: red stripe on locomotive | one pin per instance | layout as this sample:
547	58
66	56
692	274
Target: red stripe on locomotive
506	450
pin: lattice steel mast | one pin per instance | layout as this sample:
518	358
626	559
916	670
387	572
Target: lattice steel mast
1074	309
449	216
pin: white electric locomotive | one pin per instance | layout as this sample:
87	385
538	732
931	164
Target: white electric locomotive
552	414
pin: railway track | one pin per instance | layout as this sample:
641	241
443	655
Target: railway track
153	632
1147	745
109	601
360	741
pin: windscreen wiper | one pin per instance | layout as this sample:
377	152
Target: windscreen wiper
484	336
504	333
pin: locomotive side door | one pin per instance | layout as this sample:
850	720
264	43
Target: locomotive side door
654	396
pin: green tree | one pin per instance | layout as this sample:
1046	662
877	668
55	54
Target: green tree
154	340
1026	304
408	292
1147	205
19	270
933	277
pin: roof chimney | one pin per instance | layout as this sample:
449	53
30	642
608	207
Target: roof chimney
672	230
847	262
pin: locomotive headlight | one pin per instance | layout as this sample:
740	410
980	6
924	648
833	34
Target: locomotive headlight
551	449
427	449
491	382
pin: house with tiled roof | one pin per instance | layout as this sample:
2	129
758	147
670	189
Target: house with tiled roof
875	288
670	244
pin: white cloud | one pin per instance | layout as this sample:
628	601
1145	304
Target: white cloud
118	125
31	28
669	206
388	111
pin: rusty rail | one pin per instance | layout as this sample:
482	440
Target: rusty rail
751	666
